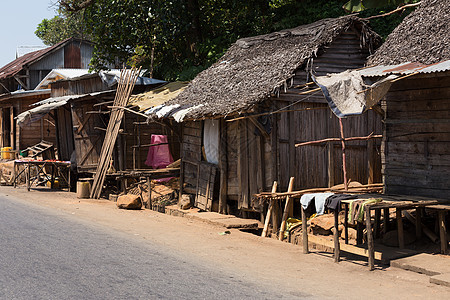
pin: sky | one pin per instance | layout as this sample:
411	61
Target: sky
18	22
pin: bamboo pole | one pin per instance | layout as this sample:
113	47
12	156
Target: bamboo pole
126	83
344	167
359	138
286	209
269	211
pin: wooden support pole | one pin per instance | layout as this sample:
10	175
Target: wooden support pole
443	232
149	193
269	210
359	233
336	236
304	231
401	237
419	223
376	226
286	210
223	167
344	167
428	232
346	222
370	246
385	220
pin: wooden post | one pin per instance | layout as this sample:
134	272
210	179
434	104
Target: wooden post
443	232
377	223
344	167
275	217
11	132
359	233
346	222
52	178
304	231
330	164
419	223
149	193
28	176
223	167
401	237
370	246
286	209
269	211
385	220
336	236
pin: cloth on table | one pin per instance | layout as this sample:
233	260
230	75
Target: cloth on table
356	211
319	199
334	201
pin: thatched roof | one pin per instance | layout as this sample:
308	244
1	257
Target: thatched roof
423	36
254	67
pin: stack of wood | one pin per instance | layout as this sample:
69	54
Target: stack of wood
125	87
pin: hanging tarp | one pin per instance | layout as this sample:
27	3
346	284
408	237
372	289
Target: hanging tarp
347	94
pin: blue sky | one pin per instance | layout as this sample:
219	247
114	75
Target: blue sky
18	21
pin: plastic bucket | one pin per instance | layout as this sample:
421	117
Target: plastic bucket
83	189
6	153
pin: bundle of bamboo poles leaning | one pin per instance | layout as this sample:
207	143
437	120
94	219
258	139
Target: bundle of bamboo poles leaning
125	86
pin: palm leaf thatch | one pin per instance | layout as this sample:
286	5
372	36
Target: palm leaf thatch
422	37
254	67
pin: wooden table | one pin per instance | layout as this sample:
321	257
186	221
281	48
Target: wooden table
58	168
442	210
394	202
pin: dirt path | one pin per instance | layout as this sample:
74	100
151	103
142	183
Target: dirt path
281	265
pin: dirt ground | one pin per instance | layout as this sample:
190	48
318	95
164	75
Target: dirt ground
268	261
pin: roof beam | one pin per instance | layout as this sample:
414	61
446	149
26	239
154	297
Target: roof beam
25	86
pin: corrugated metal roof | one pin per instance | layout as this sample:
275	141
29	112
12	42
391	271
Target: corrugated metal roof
22	50
405	69
58	74
71	97
22	93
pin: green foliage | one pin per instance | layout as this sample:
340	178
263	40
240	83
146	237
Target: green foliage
61	27
177	39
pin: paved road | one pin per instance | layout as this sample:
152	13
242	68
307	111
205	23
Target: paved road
46	254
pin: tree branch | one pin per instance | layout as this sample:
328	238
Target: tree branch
394	11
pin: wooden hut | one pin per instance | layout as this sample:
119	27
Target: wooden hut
27	71
416	143
11	105
79	108
242	117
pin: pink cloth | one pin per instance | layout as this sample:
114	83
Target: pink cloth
158	156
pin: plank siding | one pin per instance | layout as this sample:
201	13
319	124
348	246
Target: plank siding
416	155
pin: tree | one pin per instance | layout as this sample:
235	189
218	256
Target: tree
61	27
177	39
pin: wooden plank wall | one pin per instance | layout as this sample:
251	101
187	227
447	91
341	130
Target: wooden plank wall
321	165
416	145
90	84
88	140
191	154
34	133
65	132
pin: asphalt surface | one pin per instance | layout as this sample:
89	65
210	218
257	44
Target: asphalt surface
47	254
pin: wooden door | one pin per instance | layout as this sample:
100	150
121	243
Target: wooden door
88	135
250	168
